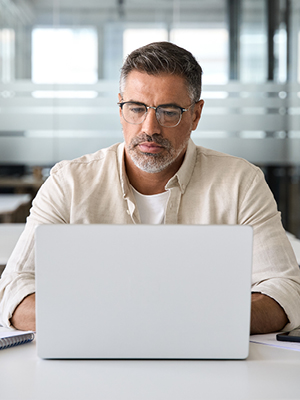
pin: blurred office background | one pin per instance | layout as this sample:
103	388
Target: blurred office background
59	70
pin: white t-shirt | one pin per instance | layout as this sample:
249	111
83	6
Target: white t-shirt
151	208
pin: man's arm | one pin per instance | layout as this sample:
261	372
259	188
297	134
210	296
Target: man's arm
23	317
266	315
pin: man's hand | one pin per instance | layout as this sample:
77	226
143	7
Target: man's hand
23	317
266	315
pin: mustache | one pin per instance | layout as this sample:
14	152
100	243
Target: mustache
155	138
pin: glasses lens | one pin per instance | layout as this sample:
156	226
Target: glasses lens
134	113
168	115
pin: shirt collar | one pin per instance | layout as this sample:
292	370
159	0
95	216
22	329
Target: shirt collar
184	174
122	170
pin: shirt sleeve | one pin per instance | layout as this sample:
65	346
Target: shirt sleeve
18	278
275	271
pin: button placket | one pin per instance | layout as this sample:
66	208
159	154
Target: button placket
173	206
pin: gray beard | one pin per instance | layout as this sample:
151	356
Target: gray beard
153	163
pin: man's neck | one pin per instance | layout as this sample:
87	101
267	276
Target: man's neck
148	186
150	183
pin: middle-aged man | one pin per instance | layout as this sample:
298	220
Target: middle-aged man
157	176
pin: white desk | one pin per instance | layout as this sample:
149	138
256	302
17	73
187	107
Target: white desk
9	235
10	203
296	247
268	373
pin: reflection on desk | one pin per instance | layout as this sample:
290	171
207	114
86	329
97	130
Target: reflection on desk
268	373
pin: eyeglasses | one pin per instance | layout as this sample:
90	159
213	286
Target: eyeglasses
167	115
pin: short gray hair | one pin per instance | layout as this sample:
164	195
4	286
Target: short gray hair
165	57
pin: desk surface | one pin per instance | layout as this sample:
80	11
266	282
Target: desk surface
296	246
268	373
11	202
9	235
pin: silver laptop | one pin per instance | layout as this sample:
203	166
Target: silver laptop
143	291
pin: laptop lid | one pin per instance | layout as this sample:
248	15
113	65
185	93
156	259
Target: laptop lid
143	291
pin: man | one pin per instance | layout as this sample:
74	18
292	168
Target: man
159	176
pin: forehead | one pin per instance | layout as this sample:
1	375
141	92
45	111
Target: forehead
158	89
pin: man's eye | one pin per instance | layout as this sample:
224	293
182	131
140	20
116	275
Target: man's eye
137	109
169	112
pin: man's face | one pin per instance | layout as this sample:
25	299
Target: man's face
149	146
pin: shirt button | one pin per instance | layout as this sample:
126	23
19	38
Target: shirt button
128	212
171	205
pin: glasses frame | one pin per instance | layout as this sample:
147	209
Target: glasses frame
182	110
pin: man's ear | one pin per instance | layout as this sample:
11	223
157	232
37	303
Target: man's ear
120	99
197	113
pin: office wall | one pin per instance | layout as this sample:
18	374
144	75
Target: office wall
250	83
59	111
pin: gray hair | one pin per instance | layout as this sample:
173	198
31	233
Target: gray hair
165	57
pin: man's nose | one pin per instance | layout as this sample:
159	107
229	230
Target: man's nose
150	124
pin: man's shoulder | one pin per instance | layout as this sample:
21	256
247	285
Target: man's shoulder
217	158
96	159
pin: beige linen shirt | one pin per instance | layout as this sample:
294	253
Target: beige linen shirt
209	188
